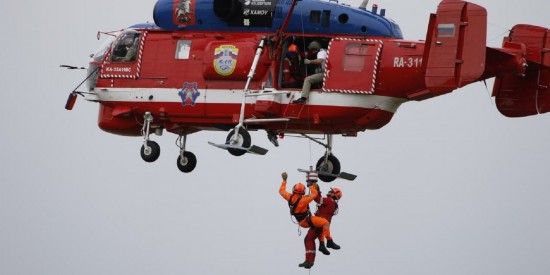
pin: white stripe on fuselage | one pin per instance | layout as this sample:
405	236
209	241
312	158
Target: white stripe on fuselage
211	96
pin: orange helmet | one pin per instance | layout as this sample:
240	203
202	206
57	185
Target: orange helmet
299	188
335	192
292	51
292	48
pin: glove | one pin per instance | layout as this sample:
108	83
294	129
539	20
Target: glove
284	175
315	185
307	61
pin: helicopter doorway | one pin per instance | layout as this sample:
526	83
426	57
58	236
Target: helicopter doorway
293	70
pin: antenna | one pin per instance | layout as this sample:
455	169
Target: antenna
363	5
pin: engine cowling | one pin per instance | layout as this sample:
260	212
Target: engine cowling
227	9
179	14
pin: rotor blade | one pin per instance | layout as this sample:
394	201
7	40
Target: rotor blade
342	175
347	176
71	67
252	149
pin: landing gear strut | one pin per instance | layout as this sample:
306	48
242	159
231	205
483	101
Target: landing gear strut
186	160
240	139
328	163
328	166
150	151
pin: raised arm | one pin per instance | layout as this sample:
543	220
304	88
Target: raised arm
282	189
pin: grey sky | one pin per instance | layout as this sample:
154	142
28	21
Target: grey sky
450	186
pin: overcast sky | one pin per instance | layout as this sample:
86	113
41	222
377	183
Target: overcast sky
450	186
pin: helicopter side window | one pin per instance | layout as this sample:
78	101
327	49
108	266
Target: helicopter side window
125	49
183	48
325	22
315	17
354	58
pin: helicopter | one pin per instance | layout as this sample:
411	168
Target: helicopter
222	65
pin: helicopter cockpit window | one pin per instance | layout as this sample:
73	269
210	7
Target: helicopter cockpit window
126	47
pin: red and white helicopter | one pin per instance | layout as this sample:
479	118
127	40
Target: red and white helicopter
220	65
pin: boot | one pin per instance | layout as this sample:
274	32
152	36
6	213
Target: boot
331	244
323	249
300	100
306	265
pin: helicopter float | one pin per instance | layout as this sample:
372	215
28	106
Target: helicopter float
218	65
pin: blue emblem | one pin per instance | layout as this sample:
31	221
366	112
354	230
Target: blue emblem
189	93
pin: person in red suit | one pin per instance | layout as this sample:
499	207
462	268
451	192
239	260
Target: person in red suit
327	207
298	203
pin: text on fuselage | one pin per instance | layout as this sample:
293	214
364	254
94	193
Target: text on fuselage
408	62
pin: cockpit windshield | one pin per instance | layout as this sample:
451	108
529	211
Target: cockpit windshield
125	47
100	53
118	53
98	57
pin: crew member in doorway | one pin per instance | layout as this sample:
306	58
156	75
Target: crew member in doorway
298	203
320	61
327	207
292	74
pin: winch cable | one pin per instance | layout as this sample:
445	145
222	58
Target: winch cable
304	47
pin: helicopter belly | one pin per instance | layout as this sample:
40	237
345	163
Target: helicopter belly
204	109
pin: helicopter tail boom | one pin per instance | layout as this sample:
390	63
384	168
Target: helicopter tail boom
456	55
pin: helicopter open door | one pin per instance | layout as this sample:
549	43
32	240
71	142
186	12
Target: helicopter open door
355	61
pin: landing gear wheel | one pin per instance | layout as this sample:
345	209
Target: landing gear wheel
332	166
243	140
151	152
187	163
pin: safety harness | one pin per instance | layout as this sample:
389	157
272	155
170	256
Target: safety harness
299	216
335	207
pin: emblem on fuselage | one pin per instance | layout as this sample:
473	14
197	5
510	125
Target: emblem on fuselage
225	59
189	93
183	12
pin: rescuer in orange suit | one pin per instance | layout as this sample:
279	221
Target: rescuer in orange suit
299	208
326	208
